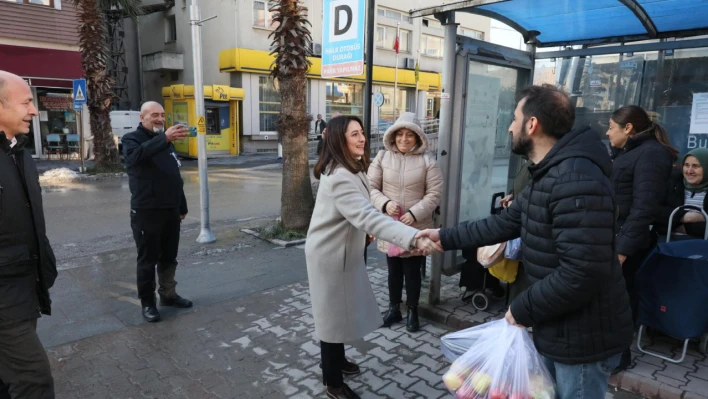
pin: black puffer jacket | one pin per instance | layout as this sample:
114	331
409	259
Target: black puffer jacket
640	176
153	171
27	264
578	303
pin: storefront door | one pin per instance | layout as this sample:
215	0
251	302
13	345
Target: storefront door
481	165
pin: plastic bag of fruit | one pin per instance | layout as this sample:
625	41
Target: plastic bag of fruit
500	363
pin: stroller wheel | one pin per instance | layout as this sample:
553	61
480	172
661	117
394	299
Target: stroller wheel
704	344
480	301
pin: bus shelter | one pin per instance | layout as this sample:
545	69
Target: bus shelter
604	53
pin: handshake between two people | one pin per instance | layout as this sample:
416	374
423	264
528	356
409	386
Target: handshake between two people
427	242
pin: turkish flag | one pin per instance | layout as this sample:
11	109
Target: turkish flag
396	44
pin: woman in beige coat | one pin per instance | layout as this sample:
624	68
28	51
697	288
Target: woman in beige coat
343	304
405	177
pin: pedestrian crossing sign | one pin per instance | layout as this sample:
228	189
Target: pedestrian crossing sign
79	94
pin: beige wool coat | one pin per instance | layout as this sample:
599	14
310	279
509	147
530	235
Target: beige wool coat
406	179
343	303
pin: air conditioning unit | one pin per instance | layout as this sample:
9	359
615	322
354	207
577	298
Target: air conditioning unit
410	63
316	48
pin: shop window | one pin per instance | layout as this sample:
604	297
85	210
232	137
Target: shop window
56	114
395	15
431	46
170	29
262	16
48	3
386	37
474	34
386	116
268	104
345	98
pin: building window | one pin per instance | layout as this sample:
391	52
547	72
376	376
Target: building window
395	15
474	34
56	116
386	37
262	16
432	23
170	29
268	104
386	116
48	3
431	46
344	98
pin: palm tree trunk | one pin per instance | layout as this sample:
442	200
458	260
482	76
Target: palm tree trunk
92	41
296	200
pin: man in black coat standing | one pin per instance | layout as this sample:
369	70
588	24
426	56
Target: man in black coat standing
577	303
157	206
320	126
27	263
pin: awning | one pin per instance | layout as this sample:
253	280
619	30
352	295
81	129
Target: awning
570	22
256	61
44	67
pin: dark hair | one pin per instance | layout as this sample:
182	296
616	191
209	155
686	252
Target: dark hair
552	108
335	151
641	123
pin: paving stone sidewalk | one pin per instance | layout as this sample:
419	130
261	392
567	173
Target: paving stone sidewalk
252	347
650	376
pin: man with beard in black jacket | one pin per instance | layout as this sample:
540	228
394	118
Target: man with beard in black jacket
577	303
27	264
157	206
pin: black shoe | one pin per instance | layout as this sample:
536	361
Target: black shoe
151	314
349	368
412	323
343	392
176	301
392	315
625	362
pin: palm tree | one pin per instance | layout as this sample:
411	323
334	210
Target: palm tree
94	57
291	46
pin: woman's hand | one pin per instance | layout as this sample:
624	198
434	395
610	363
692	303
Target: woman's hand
426	246
392	209
506	201
693	217
407	219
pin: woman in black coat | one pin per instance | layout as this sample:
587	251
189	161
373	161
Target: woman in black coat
688	186
642	162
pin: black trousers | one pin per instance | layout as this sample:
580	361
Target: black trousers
629	270
332	363
24	366
156	234
408	268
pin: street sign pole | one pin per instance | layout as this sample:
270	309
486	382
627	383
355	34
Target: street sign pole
80	97
368	85
205	236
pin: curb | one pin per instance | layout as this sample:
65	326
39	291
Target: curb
626	381
280	243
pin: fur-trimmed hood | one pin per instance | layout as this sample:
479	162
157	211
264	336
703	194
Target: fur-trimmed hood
407	120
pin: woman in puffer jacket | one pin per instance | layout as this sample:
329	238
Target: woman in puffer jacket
642	161
406	182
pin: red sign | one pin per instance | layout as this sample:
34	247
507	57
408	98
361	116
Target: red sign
56	102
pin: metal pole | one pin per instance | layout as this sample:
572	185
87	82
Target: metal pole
368	86
444	145
79	124
417	65
395	76
205	236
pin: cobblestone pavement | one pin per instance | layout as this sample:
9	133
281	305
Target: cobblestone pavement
650	376
255	346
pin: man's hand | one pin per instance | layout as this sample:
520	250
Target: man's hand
506	201
176	132
407	219
425	246
181	217
433	234
511	320
693	217
392	209
622	258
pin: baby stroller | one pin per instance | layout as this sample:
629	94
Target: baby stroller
672	286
